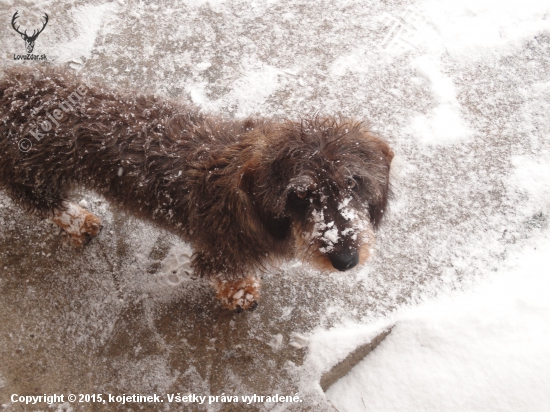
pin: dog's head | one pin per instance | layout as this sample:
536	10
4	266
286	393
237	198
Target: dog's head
325	183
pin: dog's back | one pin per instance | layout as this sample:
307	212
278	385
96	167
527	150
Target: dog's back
138	150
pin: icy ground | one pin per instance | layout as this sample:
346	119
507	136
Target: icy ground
461	90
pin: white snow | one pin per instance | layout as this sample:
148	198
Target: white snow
484	350
443	125
255	84
473	28
85	22
529	178
72	219
276	342
331	235
327	347
298	340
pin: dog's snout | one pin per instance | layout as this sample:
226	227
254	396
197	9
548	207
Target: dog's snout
344	260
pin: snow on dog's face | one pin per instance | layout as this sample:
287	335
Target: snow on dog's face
329	181
331	225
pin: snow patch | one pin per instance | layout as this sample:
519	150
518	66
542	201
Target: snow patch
472	28
530	180
443	125
86	20
486	350
298	340
257	82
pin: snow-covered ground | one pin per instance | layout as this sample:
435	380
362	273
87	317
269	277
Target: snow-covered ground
460	89
487	349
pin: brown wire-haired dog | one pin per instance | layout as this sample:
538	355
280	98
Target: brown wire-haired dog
244	193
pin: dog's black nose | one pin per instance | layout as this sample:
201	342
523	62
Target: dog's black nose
344	260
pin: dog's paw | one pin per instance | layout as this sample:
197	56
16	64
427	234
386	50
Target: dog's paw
91	228
80	225
238	295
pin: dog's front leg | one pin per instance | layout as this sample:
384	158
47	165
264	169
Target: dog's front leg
238	294
79	224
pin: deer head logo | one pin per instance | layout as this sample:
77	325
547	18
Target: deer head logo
29	40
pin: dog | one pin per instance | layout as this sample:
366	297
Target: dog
246	194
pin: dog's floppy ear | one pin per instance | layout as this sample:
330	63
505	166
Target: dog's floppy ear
258	204
378	203
246	180
251	192
386	150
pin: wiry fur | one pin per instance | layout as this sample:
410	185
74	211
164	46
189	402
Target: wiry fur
243	192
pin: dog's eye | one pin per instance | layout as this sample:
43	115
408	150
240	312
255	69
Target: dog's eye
300	195
351	183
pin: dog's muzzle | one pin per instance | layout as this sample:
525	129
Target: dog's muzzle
344	260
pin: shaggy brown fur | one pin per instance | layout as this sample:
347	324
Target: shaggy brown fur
243	193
